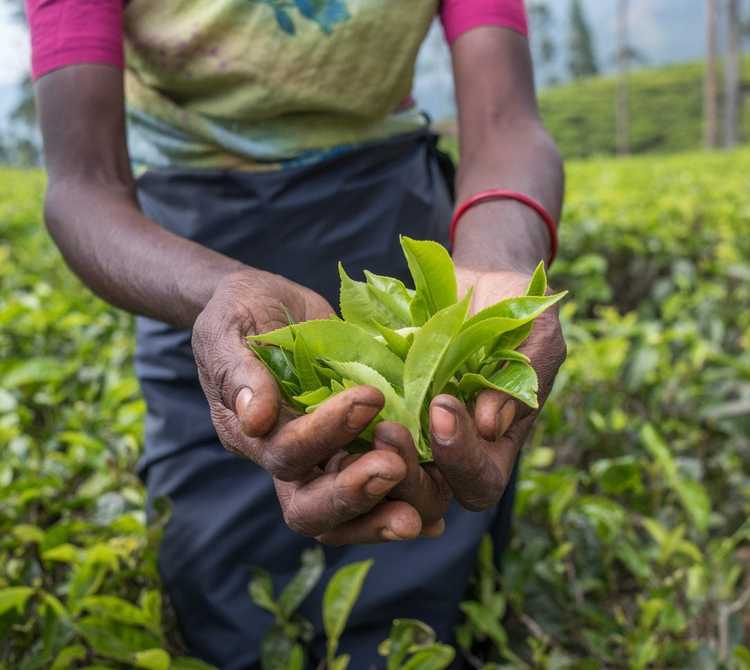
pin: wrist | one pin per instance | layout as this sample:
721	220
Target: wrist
272	298
501	236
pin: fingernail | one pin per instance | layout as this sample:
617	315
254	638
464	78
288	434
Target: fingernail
443	423
505	417
360	415
244	398
388	534
378	486
434	530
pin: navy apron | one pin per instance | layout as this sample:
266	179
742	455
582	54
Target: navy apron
225	517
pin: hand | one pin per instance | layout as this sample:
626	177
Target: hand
477	454
323	492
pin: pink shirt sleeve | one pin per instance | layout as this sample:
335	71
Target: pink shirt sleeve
69	32
459	16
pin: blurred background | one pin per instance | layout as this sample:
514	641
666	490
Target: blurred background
595	61
631	543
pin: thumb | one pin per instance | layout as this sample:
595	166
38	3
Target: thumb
232	376
256	395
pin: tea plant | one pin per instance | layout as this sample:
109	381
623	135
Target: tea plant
411	644
630	545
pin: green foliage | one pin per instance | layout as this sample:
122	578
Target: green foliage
78	581
666	112
338	600
631	543
409	344
631	547
411	644
282	647
581	58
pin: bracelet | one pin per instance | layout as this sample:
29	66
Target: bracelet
500	194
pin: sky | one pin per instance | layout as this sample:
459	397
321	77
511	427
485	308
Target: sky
14	47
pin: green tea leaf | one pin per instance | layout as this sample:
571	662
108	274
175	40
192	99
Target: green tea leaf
427	351
516	379
115	641
115	609
692	494
304	365
308	575
399	344
339	341
14	597
381	300
433	272
152	659
538	283
340	595
521	309
405	635
277	362
340	663
467	342
393	295
279	652
434	657
395	408
261	590
311	398
68	656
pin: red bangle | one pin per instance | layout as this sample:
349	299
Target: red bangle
500	194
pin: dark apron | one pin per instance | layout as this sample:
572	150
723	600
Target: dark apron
225	516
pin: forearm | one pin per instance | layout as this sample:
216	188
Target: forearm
504	234
503	145
126	258
91	209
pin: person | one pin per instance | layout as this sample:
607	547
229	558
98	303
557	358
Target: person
270	139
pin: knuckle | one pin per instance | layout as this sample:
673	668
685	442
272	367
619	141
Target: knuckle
480	499
295	520
480	503
279	463
223	373
346	504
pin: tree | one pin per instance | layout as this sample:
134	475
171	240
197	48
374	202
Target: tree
622	106
543	46
581	58
732	79
711	79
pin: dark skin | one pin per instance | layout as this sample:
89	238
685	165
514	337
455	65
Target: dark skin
93	215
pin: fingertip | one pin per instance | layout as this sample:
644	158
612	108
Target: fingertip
448	401
374	470
445	417
389	465
404	523
493	414
257	409
434	530
365	395
505	417
392	436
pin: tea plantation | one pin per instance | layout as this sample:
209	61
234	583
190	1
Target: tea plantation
632	539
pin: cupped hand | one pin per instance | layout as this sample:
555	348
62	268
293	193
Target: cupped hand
476	450
323	492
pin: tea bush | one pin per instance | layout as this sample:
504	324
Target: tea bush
666	106
632	541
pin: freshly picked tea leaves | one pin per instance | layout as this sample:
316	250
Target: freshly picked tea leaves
410	344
